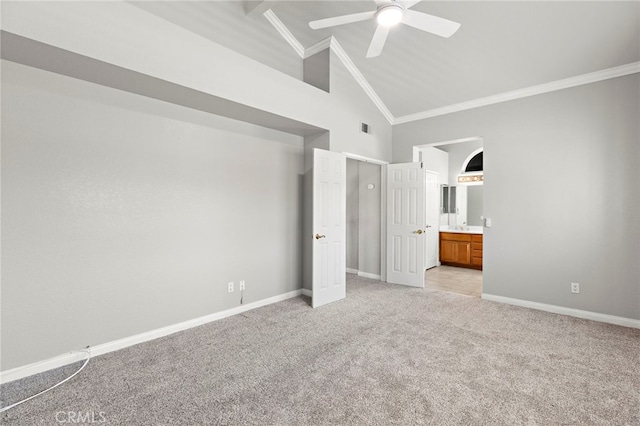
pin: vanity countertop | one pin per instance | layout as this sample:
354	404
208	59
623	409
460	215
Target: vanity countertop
461	230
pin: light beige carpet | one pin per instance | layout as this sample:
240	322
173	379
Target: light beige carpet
386	355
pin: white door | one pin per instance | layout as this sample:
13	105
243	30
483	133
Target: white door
432	206
405	224
329	227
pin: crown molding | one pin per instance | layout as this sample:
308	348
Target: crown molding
566	83
284	32
357	75
318	47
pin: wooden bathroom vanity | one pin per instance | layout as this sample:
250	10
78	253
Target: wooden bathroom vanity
463	249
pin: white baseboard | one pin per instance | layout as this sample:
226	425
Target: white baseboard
363	274
307	292
71	357
368	275
593	316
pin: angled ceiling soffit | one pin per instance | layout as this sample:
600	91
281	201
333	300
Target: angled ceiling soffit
340	53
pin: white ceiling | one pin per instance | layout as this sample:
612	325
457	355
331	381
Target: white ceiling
501	46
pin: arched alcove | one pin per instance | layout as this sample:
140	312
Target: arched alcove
474	163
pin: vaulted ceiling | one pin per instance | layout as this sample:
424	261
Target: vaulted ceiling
500	47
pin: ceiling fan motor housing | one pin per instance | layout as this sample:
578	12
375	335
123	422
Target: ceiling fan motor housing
389	14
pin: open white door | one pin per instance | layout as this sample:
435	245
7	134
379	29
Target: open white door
432	202
329	227
405	224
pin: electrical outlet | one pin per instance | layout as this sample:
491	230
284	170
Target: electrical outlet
575	288
242	285
230	287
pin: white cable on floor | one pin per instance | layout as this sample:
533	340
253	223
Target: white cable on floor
87	351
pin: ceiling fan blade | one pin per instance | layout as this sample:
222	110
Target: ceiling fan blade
377	42
432	24
410	3
341	20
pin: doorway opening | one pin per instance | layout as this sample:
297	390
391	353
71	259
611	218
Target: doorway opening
364	219
461	226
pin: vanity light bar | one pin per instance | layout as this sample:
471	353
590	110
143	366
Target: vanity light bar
470	178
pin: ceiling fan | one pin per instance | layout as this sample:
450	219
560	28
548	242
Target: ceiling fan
388	14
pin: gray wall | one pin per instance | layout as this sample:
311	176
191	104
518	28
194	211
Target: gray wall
562	172
474	205
122	214
349	107
317	70
370	217
224	181
353	213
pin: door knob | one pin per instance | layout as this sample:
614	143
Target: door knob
318	236
419	231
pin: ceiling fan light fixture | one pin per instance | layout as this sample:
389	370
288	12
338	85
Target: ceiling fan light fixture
389	15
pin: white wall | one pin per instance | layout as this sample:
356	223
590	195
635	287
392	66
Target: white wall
123	35
562	176
436	160
227	23
122	214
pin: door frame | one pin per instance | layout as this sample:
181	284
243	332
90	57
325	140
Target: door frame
417	157
383	207
437	226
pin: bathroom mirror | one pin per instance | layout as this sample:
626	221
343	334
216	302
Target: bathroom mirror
448	199
461	205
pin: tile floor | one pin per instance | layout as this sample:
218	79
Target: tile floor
456	280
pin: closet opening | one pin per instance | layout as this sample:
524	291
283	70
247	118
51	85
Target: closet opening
364	219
